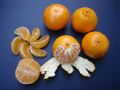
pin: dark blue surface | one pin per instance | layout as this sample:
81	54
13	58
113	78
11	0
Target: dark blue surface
15	13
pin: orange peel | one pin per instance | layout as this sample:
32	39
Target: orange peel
83	65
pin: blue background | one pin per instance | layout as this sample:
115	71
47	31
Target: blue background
15	13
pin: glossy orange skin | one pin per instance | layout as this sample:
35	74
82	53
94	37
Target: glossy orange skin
56	16
95	44
66	41
84	20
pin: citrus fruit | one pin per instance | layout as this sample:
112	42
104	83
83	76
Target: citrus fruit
23	32
84	20
15	45
95	44
42	42
25	50
35	35
66	49
27	71
56	16
38	52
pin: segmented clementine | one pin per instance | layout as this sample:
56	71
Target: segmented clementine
66	49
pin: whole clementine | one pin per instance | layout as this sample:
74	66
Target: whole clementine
95	44
84	20
66	49
56	16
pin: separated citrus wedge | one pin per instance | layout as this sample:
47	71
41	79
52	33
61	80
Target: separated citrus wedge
35	35
23	32
38	52
15	45
25	50
27	71
42	42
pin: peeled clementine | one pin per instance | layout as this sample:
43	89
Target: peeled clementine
66	49
95	44
84	20
27	71
56	16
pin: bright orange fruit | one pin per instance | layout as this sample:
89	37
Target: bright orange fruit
84	20
66	49
56	16
95	44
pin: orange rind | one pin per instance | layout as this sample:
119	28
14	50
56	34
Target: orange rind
61	44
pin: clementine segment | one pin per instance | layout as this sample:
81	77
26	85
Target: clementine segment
23	32
56	16
95	44
15	45
25	50
35	35
38	52
42	42
84	20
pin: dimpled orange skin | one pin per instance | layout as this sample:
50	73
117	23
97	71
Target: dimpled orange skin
84	20
65	41
56	16
95	44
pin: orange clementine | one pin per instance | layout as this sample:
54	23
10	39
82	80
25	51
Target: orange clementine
66	49
84	20
56	16
95	44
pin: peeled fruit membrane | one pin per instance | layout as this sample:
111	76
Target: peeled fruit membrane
27	71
